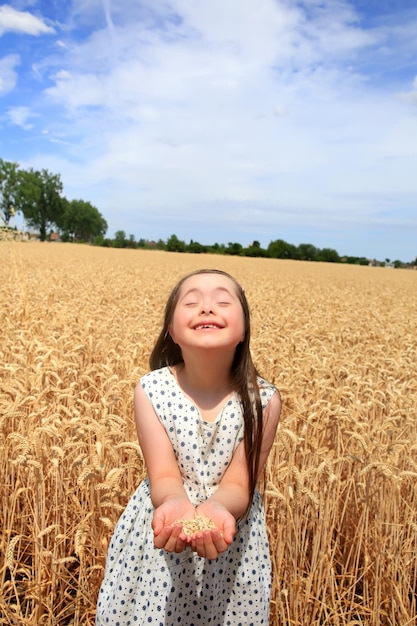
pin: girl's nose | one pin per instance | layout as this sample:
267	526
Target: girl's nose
206	308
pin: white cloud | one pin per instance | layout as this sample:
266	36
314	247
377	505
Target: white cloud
21	22
203	105
20	116
410	96
8	73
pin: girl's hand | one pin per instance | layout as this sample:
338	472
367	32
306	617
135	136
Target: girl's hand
167	533
210	543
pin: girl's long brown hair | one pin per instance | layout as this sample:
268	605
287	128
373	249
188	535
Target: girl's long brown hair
167	353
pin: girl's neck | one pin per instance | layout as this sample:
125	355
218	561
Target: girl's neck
209	389
211	375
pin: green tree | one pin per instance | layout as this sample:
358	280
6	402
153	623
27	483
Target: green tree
234	249
255	250
175	245
82	221
131	242
307	252
280	249
351	260
217	248
328	255
39	199
120	240
9	189
196	248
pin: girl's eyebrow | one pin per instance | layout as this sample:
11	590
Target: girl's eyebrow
228	291
197	290
189	291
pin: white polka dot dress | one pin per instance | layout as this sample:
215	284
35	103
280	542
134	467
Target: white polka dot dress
145	585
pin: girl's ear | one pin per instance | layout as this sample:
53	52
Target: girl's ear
171	332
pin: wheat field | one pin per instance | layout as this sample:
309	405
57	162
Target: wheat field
340	342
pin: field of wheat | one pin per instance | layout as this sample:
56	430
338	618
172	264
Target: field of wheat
340	342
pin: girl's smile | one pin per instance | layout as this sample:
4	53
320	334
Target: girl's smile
207	327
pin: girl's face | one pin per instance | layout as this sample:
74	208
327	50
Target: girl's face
208	314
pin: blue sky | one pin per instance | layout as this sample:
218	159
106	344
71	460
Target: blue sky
222	120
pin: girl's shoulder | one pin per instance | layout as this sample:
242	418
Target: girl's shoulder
155	377
266	389
265	384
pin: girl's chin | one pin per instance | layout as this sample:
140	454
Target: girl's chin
208	343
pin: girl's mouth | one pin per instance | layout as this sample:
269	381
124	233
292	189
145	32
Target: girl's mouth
206	327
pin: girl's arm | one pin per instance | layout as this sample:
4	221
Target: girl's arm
231	499
167	491
233	490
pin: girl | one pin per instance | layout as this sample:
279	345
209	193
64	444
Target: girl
205	422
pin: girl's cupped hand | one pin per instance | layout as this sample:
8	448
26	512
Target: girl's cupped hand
167	529
210	543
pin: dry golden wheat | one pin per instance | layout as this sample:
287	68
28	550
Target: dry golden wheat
195	525
77	326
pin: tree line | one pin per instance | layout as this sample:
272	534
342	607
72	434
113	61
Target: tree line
37	195
278	249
